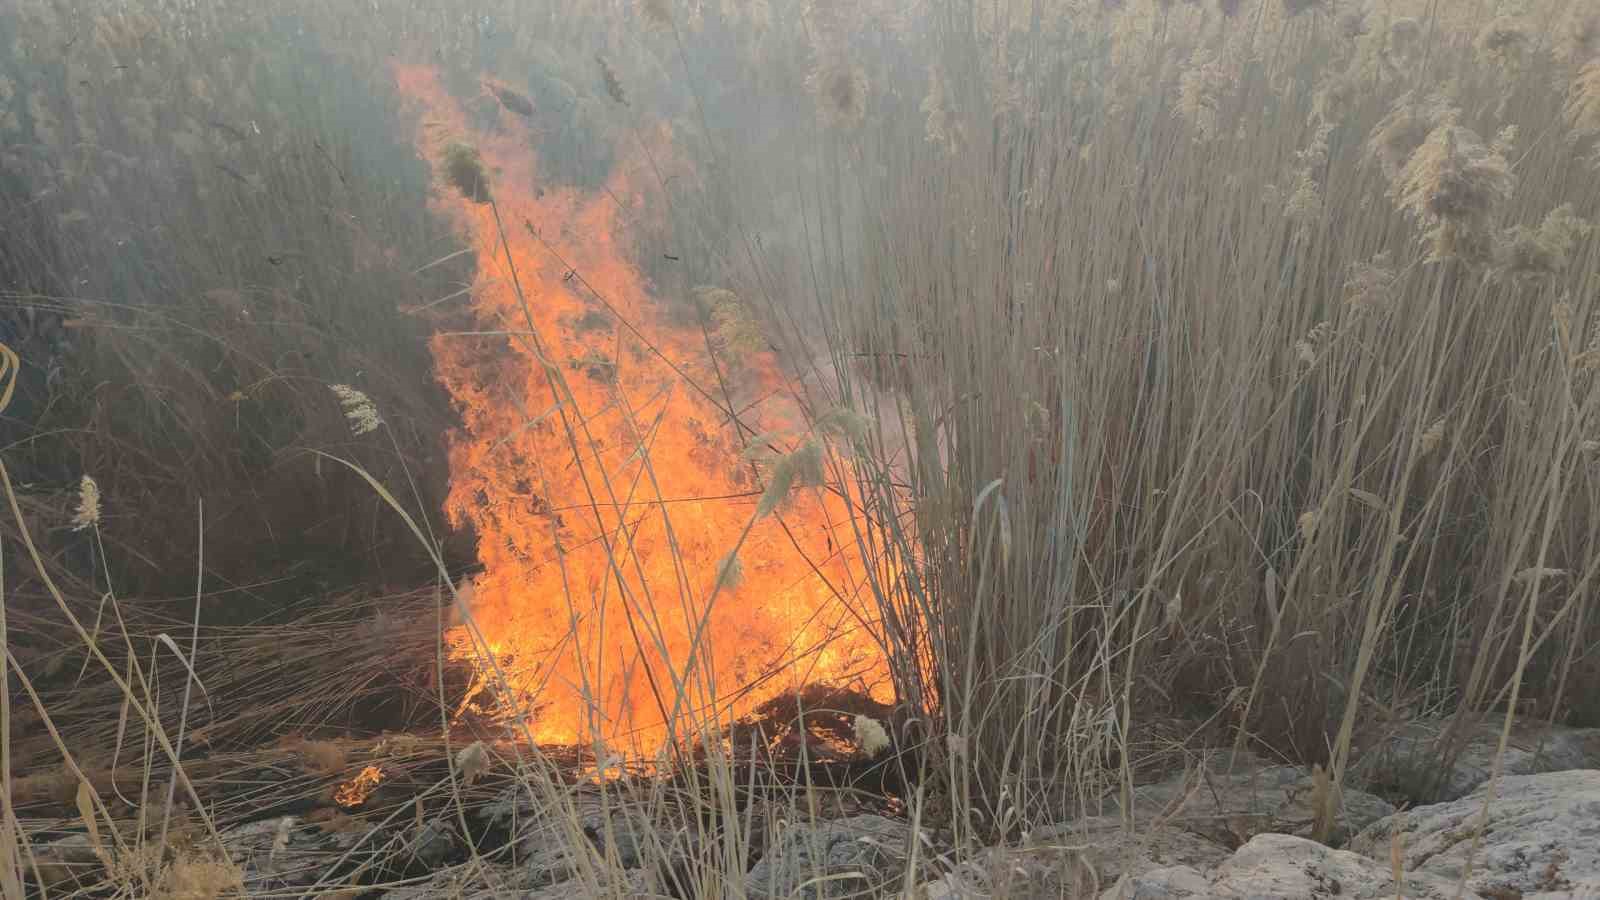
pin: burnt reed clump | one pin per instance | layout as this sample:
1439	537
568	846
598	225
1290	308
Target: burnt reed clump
464	170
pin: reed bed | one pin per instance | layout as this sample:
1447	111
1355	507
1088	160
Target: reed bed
1204	374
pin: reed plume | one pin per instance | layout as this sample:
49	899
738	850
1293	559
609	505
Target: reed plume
88	512
1583	101
359	409
1452	184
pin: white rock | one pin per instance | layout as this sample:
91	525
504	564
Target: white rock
1034	871
1168	883
1541	838
1111	852
1235	797
284	852
1408	764
490	882
1273	867
845	858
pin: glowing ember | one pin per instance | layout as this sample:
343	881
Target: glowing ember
611	597
355	792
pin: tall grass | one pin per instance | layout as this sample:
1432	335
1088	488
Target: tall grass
1211	381
213	224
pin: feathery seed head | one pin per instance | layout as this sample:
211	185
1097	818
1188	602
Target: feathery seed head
1305	352
88	512
1452	185
1432	437
1201	89
1505	140
1544	250
802	466
358	409
472	761
1400	132
845	422
1583	101
1370	283
1334	99
1304	206
730	571
733	328
871	736
1503	40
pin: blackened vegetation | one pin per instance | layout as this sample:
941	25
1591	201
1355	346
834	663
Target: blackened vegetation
613	85
511	100
808	737
463	168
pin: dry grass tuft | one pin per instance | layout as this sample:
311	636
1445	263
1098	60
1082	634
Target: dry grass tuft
320	757
201	879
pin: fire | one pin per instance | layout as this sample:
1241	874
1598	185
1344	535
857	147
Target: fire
355	792
611	598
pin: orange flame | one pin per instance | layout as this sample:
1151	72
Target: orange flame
606	517
355	792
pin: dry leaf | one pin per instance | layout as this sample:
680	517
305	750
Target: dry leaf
86	810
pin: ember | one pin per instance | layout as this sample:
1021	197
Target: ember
630	579
355	792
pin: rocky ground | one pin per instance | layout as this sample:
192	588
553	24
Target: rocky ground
1230	826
